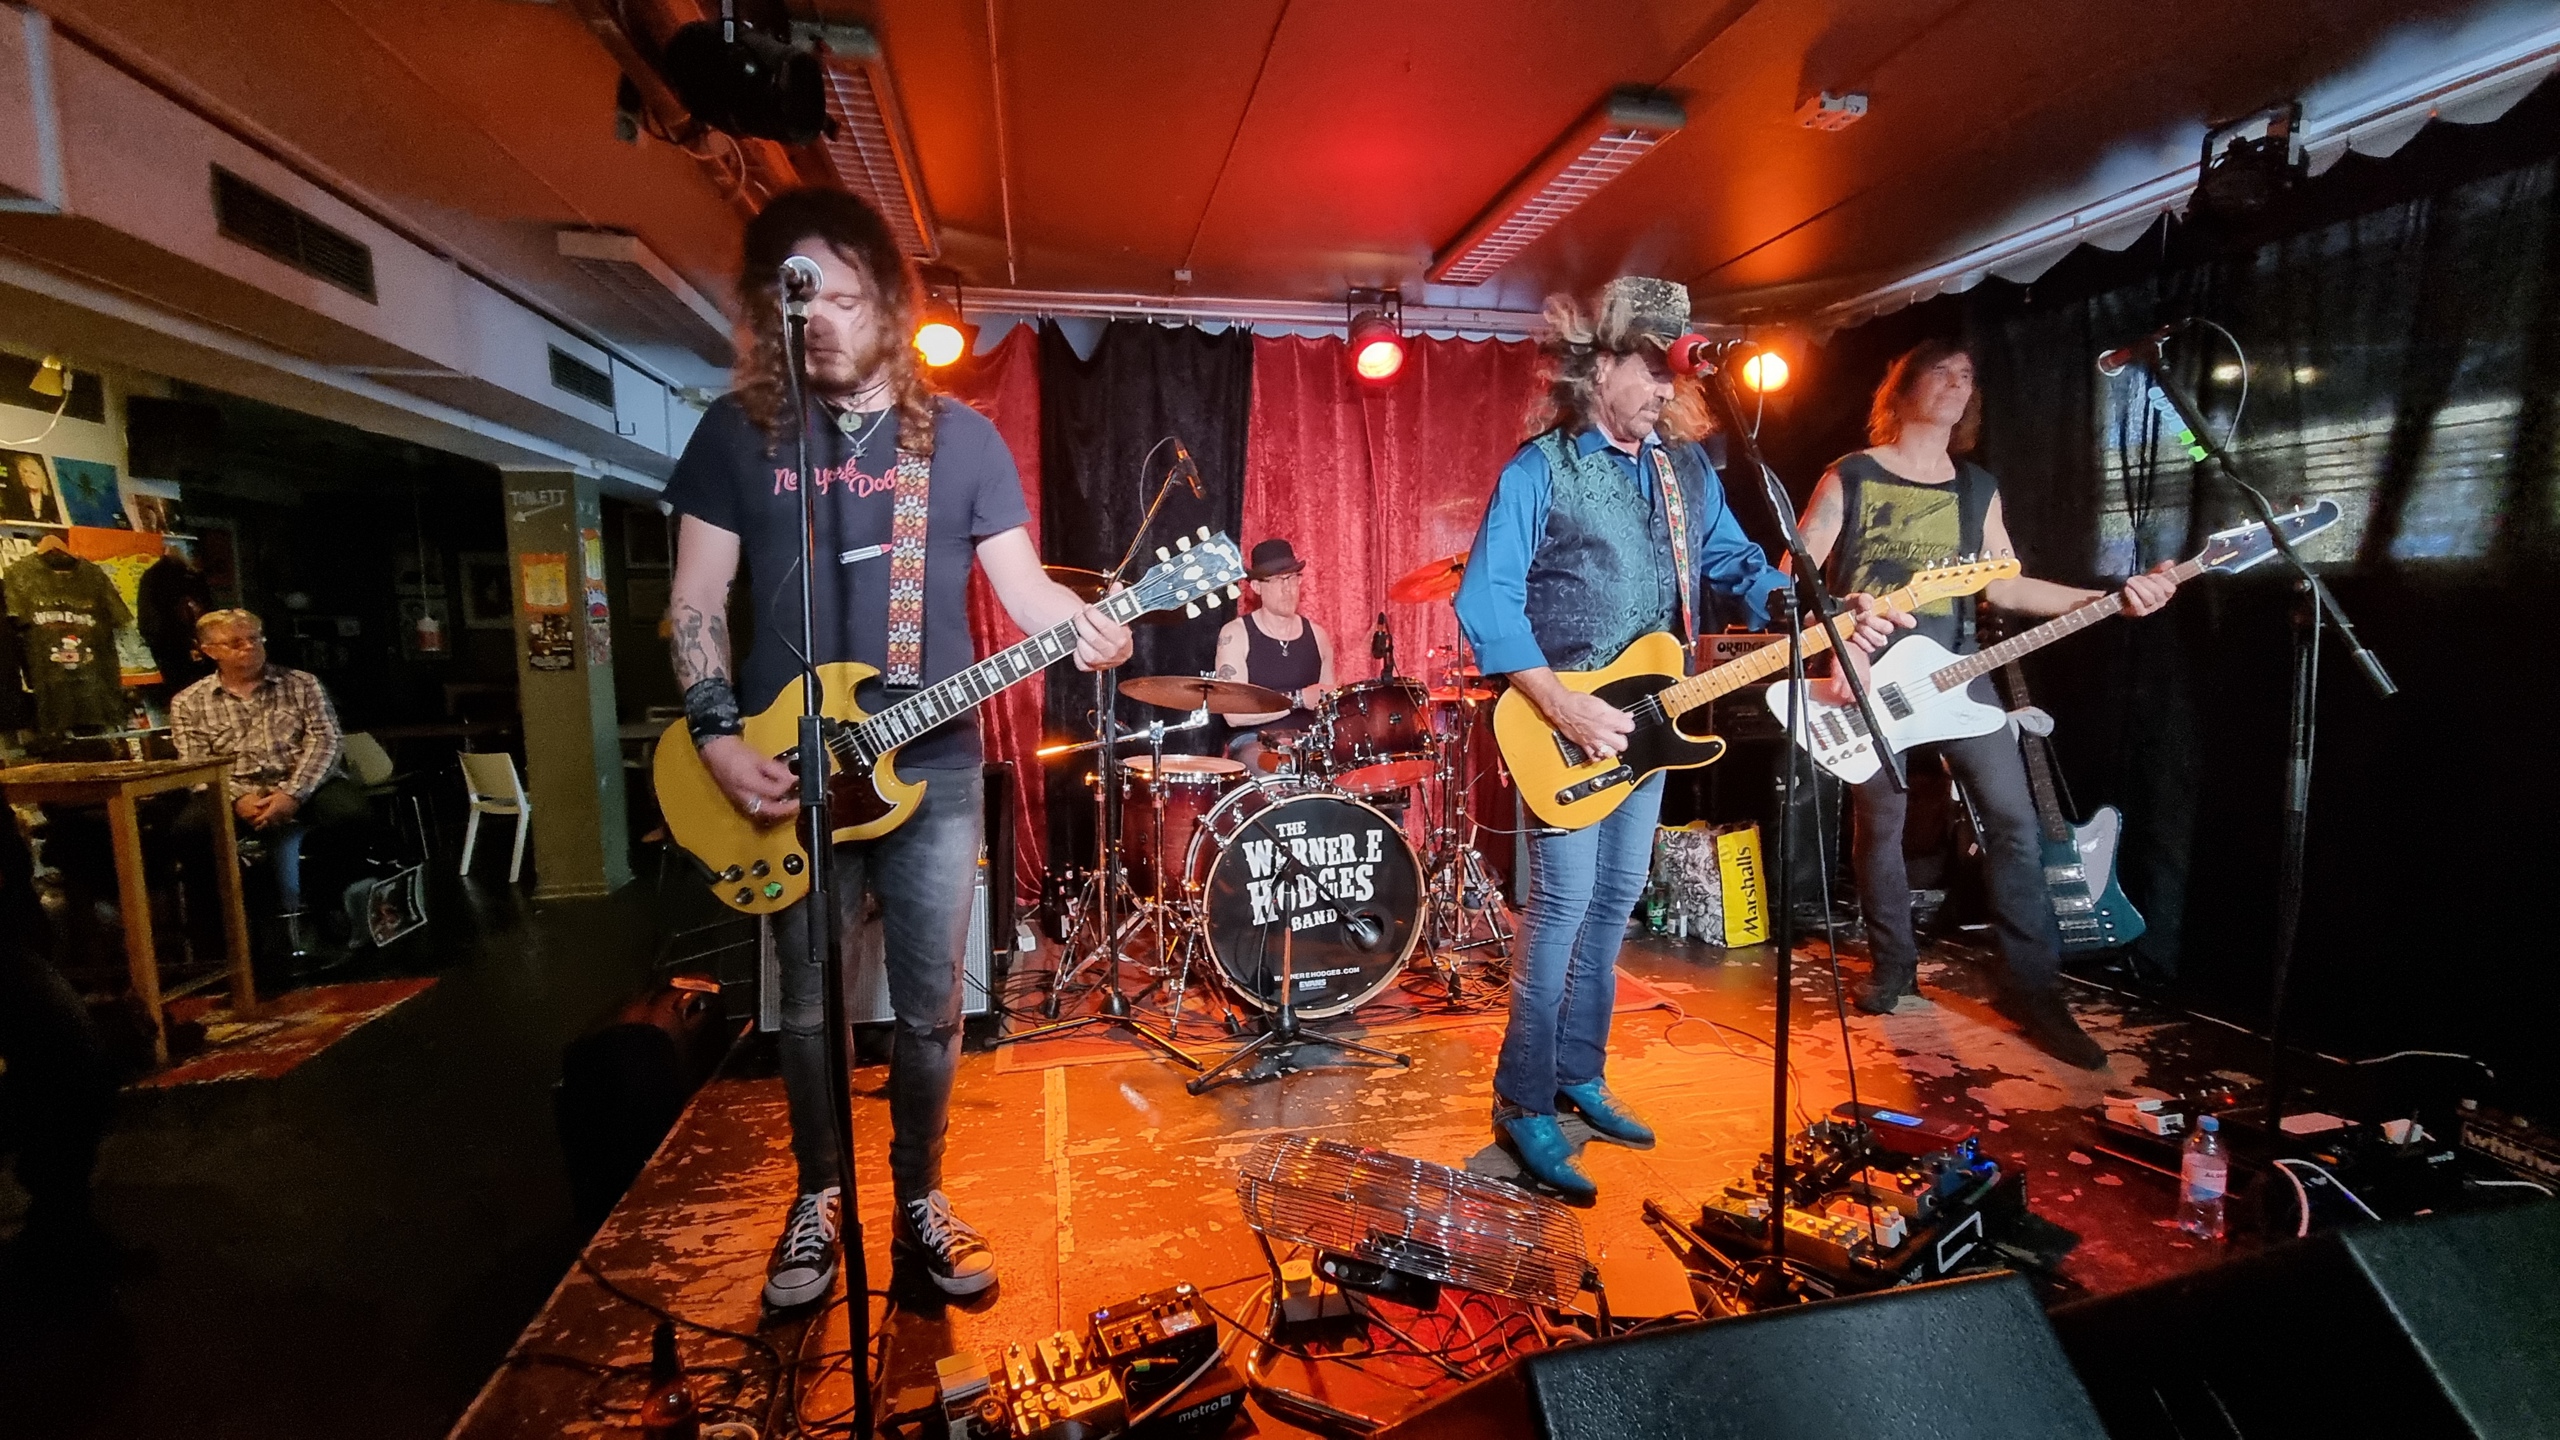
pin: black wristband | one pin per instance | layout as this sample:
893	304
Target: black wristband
711	709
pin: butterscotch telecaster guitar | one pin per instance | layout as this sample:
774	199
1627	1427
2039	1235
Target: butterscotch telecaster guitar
1566	788
764	867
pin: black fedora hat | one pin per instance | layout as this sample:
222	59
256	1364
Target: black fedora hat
1273	559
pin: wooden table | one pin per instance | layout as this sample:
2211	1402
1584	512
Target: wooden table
117	784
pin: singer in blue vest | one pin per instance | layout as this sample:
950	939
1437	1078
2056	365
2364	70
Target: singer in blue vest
1575	560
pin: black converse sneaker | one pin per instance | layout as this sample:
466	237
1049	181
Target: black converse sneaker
957	1256
804	1259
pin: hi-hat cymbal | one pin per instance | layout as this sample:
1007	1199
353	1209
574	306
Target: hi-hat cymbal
1092	585
1189	692
1434	580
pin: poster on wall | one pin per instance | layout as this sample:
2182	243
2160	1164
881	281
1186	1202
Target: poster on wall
485	590
90	495
151	504
598	612
26	489
543	589
124	555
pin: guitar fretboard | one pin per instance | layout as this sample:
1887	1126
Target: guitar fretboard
2070	622
1769	659
950	698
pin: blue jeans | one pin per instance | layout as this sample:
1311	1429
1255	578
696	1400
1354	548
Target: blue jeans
1582	887
926	873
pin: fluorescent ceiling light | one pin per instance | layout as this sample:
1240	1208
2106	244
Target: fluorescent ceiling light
1599	147
870	151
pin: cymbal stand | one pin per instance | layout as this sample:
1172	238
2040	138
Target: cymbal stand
1111	884
1282	1033
1458	871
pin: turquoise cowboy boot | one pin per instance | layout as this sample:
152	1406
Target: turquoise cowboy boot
1539	1144
1613	1120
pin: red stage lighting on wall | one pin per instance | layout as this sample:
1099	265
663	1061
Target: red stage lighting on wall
1377	351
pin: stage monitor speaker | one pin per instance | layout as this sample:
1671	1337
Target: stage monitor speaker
1956	1358
2439	1326
868	1004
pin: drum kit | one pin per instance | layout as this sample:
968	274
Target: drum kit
1295	887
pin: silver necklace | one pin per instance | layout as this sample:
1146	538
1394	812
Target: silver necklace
862	442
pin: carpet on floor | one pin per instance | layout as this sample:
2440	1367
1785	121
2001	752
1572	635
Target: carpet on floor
289	1030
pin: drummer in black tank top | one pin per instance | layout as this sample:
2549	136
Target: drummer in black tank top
1277	648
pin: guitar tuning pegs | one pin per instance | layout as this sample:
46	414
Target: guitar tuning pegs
1192	610
1163	554
1235	592
1204	532
1182	543
1210	599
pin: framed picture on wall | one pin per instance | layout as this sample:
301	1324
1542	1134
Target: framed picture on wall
27	495
488	591
90	495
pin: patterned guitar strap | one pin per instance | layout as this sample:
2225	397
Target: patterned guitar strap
906	571
1676	511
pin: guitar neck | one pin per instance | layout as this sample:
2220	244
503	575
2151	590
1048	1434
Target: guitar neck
1768	660
948	699
2038	752
2026	642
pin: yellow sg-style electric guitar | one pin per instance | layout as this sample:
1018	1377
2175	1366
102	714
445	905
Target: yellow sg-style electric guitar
1567	788
762	867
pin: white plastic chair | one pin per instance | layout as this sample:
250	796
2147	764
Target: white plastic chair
489	780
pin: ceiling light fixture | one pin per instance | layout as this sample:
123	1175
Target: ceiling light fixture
1615	134
1765	371
869	147
943	332
741	75
1376	329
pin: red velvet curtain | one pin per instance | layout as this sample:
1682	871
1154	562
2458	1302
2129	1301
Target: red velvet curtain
1369	483
1004	385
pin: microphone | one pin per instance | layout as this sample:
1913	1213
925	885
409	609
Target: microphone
1187	468
1382	641
801	279
1367	929
1694	354
2124	357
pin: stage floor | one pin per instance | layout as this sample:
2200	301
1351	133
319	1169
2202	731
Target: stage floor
1100	1179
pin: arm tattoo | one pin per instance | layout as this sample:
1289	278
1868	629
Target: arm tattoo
700	643
1226	672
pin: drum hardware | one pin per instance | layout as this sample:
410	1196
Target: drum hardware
1109	887
1283	1034
1461	893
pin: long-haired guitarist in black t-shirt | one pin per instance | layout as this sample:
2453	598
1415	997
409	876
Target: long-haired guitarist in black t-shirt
886	454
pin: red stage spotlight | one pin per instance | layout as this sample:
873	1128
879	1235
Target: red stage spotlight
942	336
1765	371
1377	347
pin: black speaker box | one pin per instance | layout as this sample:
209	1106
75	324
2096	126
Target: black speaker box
1970	1357
2444	1325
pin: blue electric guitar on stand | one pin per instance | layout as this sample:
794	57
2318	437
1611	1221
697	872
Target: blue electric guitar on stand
2078	860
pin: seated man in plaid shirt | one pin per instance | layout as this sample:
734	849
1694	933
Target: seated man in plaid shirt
282	734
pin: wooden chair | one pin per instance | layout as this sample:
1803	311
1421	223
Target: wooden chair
489	783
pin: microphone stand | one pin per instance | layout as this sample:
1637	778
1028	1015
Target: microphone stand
811	761
1771	1288
2316	607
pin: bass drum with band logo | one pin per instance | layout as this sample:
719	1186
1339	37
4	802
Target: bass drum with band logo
1350	913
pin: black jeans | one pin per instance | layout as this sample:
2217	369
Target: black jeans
1989	768
925	872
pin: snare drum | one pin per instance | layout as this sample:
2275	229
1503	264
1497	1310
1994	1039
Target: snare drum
1377	736
1191	786
1358	876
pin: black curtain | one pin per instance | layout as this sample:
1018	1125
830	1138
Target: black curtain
2402	323
1104	452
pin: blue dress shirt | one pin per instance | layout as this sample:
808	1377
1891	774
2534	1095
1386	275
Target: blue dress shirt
1493	596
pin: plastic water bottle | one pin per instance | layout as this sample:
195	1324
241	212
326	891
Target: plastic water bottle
2204	1178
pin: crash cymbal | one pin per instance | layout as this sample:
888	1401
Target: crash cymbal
1092	585
1189	692
1435	580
